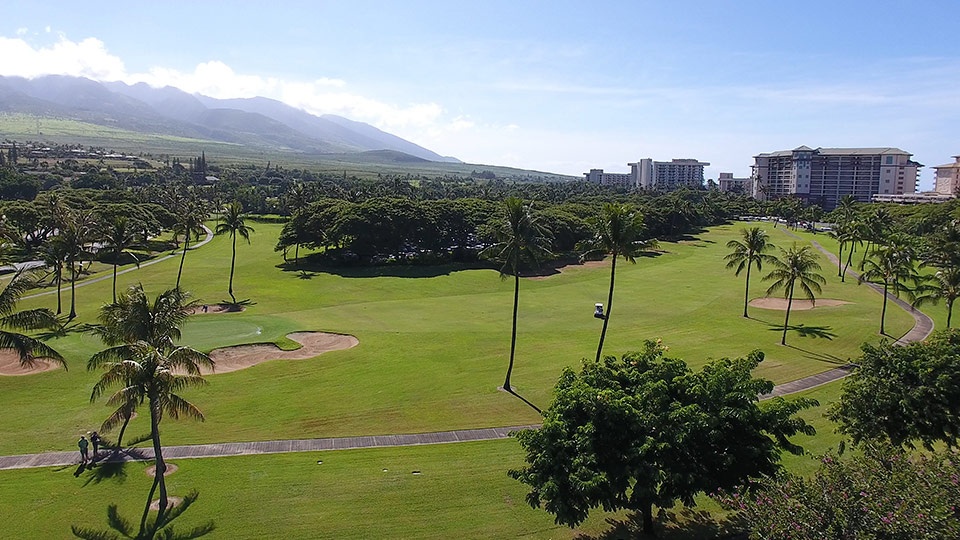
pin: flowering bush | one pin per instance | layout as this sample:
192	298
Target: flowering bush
881	493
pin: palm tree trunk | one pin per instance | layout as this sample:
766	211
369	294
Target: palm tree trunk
186	244
160	467
840	261
114	282
746	292
146	512
647	512
949	311
233	261
73	291
786	320
59	283
843	276
606	318
513	335
126	421
883	310
296	256
866	251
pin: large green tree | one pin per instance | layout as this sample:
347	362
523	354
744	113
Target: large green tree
749	251
617	232
904	394
233	223
521	240
143	360
796	266
644	430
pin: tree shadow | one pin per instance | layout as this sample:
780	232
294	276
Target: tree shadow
802	330
685	524
822	357
521	398
229	306
107	470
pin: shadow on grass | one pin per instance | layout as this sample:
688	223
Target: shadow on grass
523	399
106	470
308	269
802	330
685	524
822	357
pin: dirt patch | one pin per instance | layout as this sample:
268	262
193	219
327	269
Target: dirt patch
10	365
207	309
171	502
557	270
800	305
152	470
230	359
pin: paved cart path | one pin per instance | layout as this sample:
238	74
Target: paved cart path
922	328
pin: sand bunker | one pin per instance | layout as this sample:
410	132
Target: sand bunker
172	502
152	470
781	303
216	308
243	356
550	271
10	365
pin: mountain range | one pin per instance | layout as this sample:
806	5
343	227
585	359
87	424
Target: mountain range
254	122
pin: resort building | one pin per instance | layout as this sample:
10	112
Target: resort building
948	178
654	175
733	185
824	175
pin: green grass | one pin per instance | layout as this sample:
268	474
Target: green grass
432	349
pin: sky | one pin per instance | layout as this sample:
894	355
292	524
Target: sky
558	86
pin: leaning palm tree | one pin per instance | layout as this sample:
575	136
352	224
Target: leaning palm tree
119	238
617	232
143	360
233	224
27	348
190	217
944	285
749	252
521	239
893	264
797	265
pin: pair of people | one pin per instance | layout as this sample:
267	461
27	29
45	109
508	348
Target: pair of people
83	444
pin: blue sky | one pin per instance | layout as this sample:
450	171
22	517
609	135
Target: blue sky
556	86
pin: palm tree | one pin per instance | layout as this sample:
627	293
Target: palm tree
120	237
617	233
55	255
797	264
521	239
942	285
143	360
748	252
190	217
894	264
29	349
874	230
77	232
233	224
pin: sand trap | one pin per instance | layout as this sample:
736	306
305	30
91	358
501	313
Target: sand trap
10	365
548	272
800	305
243	356
152	470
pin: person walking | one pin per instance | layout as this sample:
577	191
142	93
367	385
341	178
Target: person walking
95	439
83	444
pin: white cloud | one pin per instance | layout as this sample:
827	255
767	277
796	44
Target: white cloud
22	31
87	58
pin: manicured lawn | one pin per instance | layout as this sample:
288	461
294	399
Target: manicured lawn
432	349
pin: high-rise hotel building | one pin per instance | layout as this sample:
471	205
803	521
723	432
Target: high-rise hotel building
654	175
824	175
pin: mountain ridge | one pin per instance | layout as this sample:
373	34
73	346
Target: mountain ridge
257	122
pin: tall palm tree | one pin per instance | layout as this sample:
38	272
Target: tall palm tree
617	232
119	238
797	265
55	256
874	230
749	252
894	264
147	365
76	234
233	224
28	349
942	285
190	217
521	239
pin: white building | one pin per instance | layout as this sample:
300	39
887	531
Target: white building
654	175
948	178
824	175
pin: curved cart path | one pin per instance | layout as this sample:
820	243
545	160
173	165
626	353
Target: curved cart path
922	328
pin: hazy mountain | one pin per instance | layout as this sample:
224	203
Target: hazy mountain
254	122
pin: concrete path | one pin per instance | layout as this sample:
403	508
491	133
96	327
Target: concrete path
922	328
